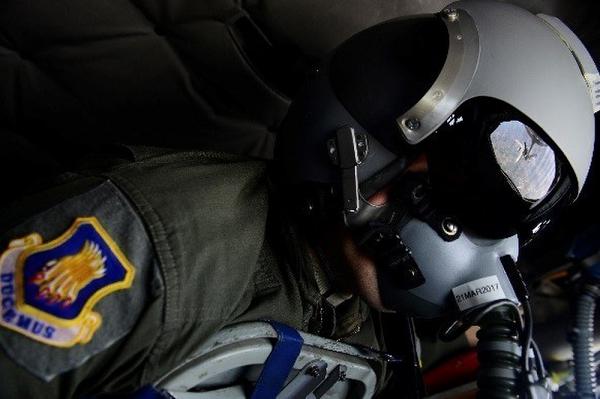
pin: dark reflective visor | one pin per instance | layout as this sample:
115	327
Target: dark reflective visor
495	169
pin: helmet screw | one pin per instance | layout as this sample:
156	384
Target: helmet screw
449	227
412	123
451	14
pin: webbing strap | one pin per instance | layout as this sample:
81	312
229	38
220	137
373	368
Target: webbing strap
278	365
150	392
145	392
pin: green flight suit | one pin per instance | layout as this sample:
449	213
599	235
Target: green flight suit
207	250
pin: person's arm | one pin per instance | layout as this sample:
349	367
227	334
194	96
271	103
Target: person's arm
81	297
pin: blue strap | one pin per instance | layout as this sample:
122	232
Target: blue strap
279	363
145	392
150	392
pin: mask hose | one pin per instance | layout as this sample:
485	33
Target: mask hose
499	354
582	339
502	337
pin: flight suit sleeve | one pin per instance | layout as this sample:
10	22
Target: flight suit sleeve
110	285
81	295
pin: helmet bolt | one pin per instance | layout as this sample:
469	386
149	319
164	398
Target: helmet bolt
449	227
451	14
412	123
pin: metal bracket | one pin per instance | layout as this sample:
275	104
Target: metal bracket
336	375
307	380
348	150
312	382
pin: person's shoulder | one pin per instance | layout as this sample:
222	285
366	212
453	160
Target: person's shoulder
77	273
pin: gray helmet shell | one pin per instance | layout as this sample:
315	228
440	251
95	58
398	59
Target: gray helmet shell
534	63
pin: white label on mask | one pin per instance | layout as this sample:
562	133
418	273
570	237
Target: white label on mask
478	292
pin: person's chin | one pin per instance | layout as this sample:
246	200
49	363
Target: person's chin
364	273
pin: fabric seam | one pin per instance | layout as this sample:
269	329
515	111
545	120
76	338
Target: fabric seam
165	256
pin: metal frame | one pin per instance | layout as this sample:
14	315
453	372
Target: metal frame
238	353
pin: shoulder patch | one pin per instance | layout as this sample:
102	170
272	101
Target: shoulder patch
48	290
74	280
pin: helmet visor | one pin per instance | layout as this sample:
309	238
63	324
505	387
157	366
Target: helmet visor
494	168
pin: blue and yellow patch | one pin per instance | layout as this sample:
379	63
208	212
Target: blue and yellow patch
48	290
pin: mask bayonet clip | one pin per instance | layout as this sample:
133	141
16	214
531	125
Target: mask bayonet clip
347	150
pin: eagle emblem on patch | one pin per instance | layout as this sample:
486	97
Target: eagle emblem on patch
48	290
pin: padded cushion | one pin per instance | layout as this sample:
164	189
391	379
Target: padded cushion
75	75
